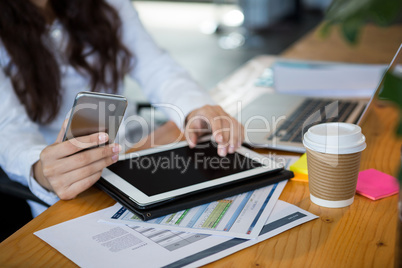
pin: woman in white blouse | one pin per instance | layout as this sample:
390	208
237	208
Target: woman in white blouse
52	49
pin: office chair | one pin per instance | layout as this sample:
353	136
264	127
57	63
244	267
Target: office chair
16	189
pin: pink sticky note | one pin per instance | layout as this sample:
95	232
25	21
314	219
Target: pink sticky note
375	184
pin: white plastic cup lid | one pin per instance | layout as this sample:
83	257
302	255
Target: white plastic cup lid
335	138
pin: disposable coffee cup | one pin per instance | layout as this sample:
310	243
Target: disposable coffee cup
333	161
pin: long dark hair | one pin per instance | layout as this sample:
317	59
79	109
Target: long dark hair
93	29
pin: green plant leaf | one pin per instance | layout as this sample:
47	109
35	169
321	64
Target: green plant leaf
399	127
351	30
343	10
351	15
392	89
383	13
325	30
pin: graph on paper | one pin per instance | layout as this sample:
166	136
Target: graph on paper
170	240
240	216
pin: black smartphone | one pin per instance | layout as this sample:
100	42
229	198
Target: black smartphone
95	112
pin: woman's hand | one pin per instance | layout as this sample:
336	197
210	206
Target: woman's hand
226	130
67	169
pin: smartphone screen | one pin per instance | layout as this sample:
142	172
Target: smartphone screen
95	112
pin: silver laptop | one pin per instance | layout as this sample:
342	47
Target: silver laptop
278	121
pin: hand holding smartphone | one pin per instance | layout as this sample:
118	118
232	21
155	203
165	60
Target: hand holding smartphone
95	112
69	169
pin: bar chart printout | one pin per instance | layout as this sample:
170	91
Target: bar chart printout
240	216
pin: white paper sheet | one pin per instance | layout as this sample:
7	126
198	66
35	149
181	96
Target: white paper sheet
241	216
89	243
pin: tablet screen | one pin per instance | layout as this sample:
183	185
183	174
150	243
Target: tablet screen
180	167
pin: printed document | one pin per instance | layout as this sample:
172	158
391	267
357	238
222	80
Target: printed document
241	216
89	243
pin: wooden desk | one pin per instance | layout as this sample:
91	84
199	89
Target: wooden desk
362	235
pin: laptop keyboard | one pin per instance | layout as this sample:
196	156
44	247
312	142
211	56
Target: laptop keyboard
312	112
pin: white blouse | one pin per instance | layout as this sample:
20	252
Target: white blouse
164	82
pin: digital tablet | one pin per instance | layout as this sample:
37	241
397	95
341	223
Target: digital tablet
155	175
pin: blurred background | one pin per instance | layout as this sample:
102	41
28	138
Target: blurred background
212	38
